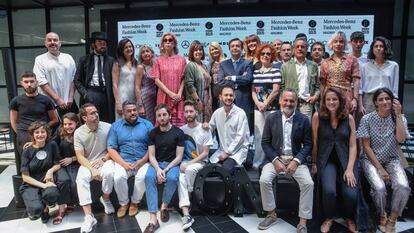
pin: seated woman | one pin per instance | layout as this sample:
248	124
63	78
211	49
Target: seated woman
42	185
381	131
333	157
68	157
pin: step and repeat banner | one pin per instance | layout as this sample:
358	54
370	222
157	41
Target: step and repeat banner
222	29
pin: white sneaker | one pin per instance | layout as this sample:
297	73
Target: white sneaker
88	224
109	208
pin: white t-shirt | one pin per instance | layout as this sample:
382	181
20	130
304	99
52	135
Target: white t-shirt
201	136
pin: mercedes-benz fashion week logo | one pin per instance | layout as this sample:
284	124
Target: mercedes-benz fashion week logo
185	44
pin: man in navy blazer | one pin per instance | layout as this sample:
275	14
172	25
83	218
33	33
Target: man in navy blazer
286	142
239	72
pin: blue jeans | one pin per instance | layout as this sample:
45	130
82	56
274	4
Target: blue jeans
152	186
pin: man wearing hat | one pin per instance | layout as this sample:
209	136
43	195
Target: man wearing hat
93	77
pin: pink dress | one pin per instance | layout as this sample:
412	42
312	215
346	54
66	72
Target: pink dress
170	71
341	75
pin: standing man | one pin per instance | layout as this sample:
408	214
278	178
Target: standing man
317	52
239	72
166	148
128	147
286	51
302	75
93	78
286	156
90	142
55	71
233	131
190	167
277	44
28	108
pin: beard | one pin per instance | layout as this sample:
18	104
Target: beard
190	119
30	90
288	111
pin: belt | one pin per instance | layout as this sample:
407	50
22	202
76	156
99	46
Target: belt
97	88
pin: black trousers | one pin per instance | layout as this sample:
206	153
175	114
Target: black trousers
229	164
98	97
72	171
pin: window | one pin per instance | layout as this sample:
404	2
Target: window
29	34
68	22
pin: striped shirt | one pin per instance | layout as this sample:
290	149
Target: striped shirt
263	83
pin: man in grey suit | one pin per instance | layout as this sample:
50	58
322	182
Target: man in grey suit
286	142
302	75
238	72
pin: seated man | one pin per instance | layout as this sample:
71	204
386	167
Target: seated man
286	142
233	131
165	151
91	153
195	162
128	146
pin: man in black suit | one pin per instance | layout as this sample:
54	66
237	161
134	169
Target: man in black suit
238	72
286	143
93	78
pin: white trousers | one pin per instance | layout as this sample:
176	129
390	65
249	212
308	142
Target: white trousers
186	183
304	179
259	121
84	178
121	183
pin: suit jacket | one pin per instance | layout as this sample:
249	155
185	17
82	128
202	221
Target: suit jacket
272	139
290	77
83	76
243	83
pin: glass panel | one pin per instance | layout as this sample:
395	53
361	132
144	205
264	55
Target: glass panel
398	11
4	29
409	61
75	51
4	101
2	77
69	23
25	60
25	33
411	19
396	49
95	15
408	106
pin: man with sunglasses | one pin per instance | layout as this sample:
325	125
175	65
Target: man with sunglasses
302	75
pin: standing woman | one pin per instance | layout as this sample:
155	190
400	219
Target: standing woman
265	88
341	70
197	83
67	153
147	91
250	44
333	157
381	131
44	183
168	73
216	56
378	72
124	81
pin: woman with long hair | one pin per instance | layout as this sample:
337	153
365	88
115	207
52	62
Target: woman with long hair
124	80
250	45
380	132
216	56
147	91
334	155
44	183
168	73
197	83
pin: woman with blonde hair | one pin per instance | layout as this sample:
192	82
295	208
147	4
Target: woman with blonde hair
216	56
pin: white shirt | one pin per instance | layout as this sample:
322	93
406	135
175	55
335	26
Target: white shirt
95	78
201	137
374	76
287	134
303	83
56	71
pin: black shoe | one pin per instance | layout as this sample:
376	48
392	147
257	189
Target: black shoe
45	217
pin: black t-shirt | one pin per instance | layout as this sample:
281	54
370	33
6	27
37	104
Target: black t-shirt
38	160
166	143
30	109
67	150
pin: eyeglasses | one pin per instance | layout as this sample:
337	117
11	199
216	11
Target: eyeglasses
168	40
266	53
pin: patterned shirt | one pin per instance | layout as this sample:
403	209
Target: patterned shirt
263	83
340	74
381	132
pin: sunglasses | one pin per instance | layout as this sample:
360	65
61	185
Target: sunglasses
168	40
267	54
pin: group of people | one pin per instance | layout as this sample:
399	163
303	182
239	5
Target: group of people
138	114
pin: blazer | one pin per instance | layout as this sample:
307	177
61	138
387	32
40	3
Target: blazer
272	139
290	77
83	76
243	83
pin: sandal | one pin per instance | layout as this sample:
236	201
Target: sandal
326	226
58	219
390	226
70	208
382	223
